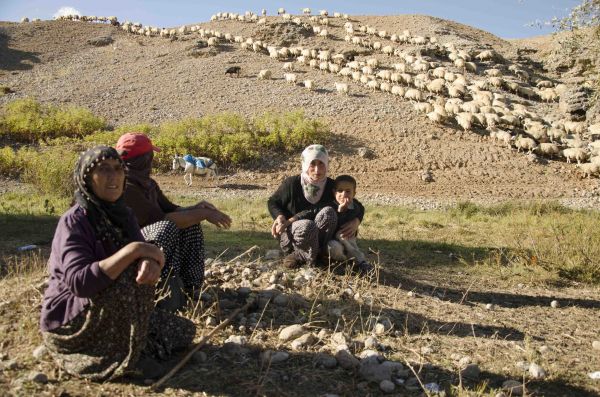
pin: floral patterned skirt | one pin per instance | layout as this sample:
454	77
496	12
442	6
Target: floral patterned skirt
106	340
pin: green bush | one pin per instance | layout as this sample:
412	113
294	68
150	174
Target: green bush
27	120
9	162
228	138
50	169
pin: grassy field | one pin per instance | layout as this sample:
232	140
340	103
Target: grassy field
518	257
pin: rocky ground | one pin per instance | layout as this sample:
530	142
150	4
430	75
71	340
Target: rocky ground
408	330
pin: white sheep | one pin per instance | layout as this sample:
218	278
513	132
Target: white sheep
413	94
437	86
501	136
589	169
436	117
575	153
289	66
280	11
525	143
309	84
398	90
341	88
385	87
465	120
290	78
548	149
574	127
594	131
373	85
264	74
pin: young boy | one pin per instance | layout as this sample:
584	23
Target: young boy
347	209
342	249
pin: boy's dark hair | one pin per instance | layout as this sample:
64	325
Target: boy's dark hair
345	178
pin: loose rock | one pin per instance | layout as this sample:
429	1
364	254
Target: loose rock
536	371
512	387
373	371
38	377
471	371
387	386
596	345
554	304
199	357
325	361
40	352
291	332
346	359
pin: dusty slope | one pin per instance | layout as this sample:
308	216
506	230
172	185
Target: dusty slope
140	79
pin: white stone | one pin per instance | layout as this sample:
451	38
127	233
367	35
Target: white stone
291	332
490	306
373	371
536	372
371	342
272	255
237	339
39	352
596	345
210	321
379	329
339	338
279	357
387	386
554	304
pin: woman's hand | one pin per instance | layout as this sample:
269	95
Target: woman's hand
151	251
148	272
279	225
218	218
349	229
205	204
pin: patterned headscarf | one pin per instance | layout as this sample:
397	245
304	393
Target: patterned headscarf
109	220
313	189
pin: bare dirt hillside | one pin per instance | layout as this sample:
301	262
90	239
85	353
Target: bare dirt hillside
152	79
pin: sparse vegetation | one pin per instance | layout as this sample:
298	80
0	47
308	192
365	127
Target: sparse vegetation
29	121
60	134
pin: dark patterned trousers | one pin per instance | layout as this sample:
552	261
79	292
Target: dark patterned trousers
307	238
183	249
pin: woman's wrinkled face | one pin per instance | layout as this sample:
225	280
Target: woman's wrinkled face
107	180
317	170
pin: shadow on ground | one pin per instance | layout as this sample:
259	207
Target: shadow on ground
13	59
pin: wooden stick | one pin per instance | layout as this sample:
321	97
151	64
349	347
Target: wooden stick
248	251
201	343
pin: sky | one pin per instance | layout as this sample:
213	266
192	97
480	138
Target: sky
504	18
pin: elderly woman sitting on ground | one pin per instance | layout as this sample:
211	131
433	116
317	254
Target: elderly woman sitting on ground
305	241
98	311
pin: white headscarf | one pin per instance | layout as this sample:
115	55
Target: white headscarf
313	189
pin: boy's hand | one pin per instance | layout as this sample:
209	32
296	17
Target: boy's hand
349	229
344	204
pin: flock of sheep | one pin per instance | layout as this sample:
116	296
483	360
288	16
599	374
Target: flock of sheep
446	83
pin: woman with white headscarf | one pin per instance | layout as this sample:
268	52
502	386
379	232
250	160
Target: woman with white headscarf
305	240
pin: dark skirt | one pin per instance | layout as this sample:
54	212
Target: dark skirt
106	340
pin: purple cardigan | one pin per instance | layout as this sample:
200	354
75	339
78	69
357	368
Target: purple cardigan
74	269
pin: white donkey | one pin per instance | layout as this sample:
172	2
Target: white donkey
202	166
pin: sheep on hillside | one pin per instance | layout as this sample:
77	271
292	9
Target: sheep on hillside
264	74
341	88
589	169
290	78
577	154
525	143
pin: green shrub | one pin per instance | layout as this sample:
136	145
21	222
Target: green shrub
9	162
27	120
50	169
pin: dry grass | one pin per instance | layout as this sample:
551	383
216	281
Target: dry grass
436	272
